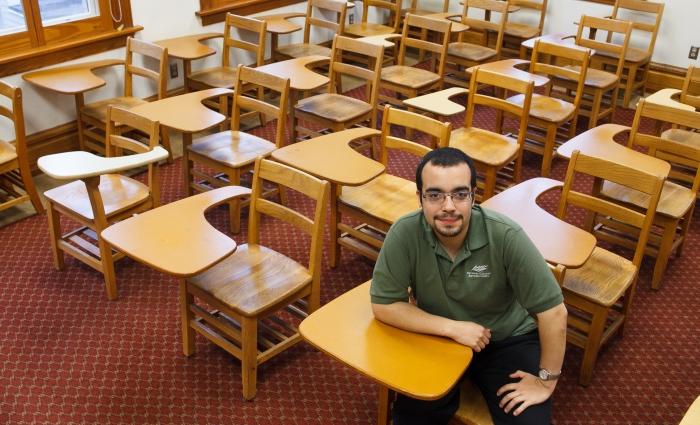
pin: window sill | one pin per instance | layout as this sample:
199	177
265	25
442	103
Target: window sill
242	7
27	59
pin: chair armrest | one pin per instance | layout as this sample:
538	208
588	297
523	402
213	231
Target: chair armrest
438	102
668	97
80	164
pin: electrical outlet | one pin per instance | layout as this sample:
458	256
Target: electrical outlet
693	54
352	18
173	70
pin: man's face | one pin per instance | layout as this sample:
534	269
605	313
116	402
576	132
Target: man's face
448	217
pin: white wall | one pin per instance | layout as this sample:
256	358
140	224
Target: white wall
170	18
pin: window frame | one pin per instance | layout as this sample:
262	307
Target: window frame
213	11
41	45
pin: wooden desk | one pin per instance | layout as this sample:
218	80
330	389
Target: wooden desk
301	79
558	241
456	27
669	97
438	102
512	68
331	158
176	238
279	24
421	366
561	39
189	48
599	142
187	114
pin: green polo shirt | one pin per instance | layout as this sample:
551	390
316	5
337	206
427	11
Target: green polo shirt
498	279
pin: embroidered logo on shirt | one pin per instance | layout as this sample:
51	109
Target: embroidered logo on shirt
479	271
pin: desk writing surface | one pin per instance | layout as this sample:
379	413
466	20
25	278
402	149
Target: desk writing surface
176	238
670	98
300	77
71	79
439	102
558	241
190	46
418	365
279	24
331	158
511	67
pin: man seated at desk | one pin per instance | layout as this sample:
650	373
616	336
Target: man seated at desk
474	276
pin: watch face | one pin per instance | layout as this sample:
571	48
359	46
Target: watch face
543	374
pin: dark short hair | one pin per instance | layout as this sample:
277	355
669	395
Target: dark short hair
445	157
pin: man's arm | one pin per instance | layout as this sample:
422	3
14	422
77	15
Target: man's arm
530	389
409	317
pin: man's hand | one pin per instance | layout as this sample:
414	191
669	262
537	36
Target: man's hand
470	334
526	392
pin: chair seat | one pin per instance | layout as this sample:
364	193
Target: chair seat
232	148
603	278
485	146
409	76
633	55
334	107
118	192
7	152
675	199
365	29
516	29
219	77
597	78
253	279
299	50
546	108
471	52
386	197
98	110
688	137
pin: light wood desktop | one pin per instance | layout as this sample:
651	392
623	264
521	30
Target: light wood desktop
418	365
561	39
279	24
189	48
454	17
558	241
439	102
670	98
331	158
513	68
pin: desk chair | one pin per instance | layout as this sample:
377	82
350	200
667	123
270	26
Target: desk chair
690	95
472	47
492	151
519	30
408	81
228	154
250	288
601	87
675	209
380	202
549	111
99	196
317	21
636	61
92	117
599	293
380	7
334	111
16	184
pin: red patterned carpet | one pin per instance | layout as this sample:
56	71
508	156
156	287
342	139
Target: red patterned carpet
70	356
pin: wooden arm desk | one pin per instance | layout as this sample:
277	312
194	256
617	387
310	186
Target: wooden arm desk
176	238
561	39
184	113
439	102
301	79
558	241
456	27
189	48
420	366
512	68
669	97
331	158
279	24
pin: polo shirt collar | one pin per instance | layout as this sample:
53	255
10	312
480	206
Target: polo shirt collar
477	235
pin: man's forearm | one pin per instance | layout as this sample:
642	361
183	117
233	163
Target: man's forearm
552	330
409	317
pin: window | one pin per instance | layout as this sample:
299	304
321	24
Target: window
36	33
212	11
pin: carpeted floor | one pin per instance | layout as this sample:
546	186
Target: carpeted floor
70	356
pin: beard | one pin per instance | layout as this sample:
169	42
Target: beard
448	230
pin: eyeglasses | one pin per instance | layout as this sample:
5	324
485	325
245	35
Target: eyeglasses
439	197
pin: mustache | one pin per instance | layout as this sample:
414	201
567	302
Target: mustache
448	216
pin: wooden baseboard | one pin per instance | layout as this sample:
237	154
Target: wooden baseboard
664	76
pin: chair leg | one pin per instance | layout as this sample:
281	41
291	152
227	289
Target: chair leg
595	108
107	267
234	177
685	225
629	86
249	360
186	316
548	151
669	235
489	183
29	187
165	141
590	354
613	103
55	236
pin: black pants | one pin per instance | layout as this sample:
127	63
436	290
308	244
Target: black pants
490	370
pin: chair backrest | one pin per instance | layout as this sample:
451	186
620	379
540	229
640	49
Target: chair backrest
374	52
15	113
631	9
299	181
319	19
683	157
549	59
251	80
612	26
690	95
153	51
244	24
413	7
483	77
601	169
409	38
539	6
440	131
480	27
393	7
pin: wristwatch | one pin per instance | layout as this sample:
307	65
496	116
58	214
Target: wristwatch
546	375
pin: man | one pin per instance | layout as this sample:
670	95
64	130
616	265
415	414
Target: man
473	276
